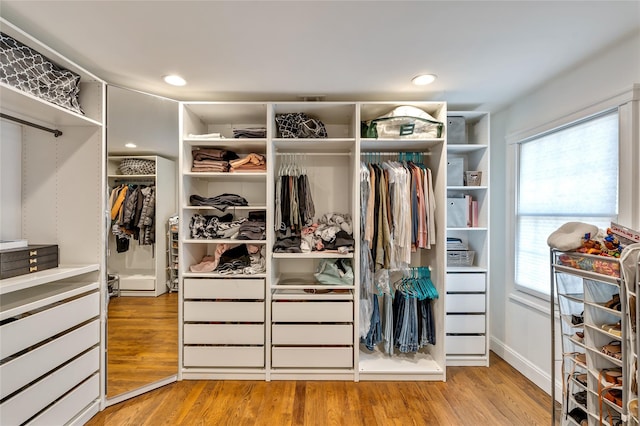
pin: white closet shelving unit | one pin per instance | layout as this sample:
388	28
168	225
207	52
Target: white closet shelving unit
467	319
222	317
142	268
50	321
428	363
312	335
266	326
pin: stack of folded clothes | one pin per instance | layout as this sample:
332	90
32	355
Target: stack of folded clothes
250	132
252	230
220	202
213	227
252	162
212	159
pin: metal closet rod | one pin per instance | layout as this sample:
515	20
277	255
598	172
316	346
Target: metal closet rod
55	132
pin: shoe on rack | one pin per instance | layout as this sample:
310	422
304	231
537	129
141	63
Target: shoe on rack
613	303
615	329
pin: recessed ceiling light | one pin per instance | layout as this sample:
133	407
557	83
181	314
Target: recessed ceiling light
423	79
174	80
130	145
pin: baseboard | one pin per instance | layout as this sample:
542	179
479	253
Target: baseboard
540	378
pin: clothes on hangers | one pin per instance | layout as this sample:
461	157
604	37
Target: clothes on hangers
132	209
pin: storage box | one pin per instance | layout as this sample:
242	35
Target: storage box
456	130
27	260
455	171
592	263
457	212
473	178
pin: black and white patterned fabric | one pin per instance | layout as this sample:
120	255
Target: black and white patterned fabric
137	166
27	70
300	125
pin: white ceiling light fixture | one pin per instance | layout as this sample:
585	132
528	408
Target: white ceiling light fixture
424	79
174	80
130	145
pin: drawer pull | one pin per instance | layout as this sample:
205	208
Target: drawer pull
31	261
33	252
33	269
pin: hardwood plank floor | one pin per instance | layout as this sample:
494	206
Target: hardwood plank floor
142	341
498	395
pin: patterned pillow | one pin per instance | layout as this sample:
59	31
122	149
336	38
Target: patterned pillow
29	71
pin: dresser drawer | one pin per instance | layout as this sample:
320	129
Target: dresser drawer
465	303
312	357
224	334
465	324
312	334
312	311
64	410
466	282
224	356
223	288
24	369
465	345
29	401
29	330
140	282
224	311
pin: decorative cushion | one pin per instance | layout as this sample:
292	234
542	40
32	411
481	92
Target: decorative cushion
569	236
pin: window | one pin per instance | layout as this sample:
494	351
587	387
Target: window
567	174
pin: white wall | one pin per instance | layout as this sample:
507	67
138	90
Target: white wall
10	180
520	326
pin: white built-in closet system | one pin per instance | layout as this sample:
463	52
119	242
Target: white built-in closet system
51	320
256	326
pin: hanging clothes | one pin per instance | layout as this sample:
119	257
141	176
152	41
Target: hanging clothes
132	211
397	218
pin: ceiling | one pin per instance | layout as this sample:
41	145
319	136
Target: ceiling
485	53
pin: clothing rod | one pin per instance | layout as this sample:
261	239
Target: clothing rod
395	152
311	154
55	132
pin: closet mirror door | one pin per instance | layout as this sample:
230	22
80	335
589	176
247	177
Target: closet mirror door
142	298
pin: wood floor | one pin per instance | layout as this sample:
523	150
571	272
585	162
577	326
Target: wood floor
142	341
477	396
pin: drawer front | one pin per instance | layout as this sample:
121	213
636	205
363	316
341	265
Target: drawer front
466	324
223	288
224	311
25	404
225	356
20	334
224	334
461	282
312	311
465	345
27	263
311	357
312	334
140	283
29	252
465	303
68	407
23	370
30	269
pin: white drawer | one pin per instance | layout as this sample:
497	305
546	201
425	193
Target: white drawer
68	407
137	283
28	402
465	345
224	311
223	288
224	334
466	282
465	324
465	303
23	370
224	356
312	311
312	357
312	334
27	331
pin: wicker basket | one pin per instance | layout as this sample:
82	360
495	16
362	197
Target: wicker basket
460	257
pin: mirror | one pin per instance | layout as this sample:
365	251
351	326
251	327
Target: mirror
142	298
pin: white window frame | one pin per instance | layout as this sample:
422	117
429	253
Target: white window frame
628	106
